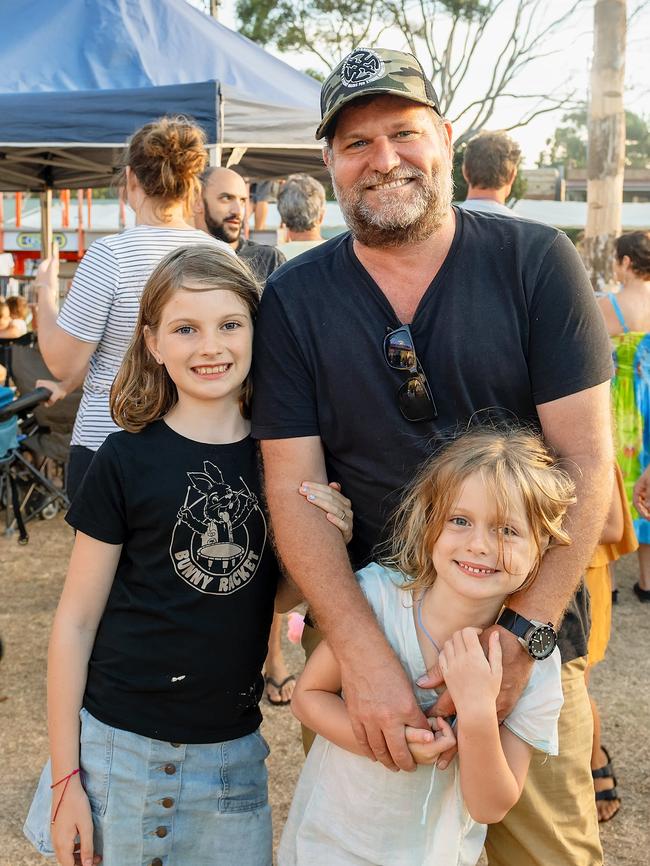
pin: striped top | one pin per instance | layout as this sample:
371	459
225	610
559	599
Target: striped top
102	307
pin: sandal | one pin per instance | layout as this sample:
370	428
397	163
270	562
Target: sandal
641	594
269	681
607	772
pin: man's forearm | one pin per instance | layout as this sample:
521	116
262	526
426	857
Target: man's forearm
563	567
312	550
314	556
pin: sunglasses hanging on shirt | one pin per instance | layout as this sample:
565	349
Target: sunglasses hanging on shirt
414	397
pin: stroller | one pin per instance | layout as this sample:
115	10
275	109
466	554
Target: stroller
34	442
25	491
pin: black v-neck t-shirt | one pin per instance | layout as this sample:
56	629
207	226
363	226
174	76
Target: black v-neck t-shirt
509	322
181	643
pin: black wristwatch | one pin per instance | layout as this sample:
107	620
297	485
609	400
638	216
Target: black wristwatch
539	639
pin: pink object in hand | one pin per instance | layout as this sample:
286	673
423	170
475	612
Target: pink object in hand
295	625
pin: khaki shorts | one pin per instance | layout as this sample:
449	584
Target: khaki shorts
555	822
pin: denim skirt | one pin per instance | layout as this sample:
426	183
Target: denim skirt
167	804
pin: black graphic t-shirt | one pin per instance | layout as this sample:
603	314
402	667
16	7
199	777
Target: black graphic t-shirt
180	647
508	323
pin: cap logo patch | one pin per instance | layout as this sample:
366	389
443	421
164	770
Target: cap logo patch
362	67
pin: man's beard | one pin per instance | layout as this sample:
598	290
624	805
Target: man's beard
218	230
396	222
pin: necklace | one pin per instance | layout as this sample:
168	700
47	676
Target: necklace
425	630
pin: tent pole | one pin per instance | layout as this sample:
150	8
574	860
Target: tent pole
2	222
46	223
214	155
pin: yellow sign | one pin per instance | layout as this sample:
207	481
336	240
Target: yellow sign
32	240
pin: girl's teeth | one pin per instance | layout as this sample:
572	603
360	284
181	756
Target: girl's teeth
207	371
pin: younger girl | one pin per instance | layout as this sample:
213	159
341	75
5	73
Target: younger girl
158	642
471	531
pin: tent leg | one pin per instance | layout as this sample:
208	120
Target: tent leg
46	223
214	155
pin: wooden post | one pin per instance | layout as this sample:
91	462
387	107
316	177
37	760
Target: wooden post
606	147
46	223
122	212
19	209
80	223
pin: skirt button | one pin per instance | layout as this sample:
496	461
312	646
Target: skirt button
170	769
156	862
168	802
161	832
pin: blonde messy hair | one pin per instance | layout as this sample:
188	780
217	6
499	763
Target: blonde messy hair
143	390
506	459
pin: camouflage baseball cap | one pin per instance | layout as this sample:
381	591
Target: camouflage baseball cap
374	70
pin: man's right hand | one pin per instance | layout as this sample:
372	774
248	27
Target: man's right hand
641	496
381	703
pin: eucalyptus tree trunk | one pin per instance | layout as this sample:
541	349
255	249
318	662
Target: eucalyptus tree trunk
606	148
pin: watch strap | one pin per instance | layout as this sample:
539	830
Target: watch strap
514	622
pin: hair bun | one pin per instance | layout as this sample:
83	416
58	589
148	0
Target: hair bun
167	156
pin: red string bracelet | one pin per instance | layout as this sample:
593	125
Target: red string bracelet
65	779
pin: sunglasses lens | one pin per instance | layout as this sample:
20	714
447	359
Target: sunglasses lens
415	401
399	350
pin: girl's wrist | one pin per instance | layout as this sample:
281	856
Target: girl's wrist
476	715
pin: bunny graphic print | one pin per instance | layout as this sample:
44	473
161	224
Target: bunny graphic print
211	543
192	598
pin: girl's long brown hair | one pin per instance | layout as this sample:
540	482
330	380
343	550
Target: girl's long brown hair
506	458
143	390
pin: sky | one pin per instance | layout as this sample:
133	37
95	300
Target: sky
570	62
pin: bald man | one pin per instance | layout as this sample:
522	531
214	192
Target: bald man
221	211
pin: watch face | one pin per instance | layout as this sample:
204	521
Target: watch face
542	642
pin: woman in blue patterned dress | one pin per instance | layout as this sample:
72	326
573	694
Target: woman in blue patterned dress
627	316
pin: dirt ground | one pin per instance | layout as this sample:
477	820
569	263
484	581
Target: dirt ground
30	582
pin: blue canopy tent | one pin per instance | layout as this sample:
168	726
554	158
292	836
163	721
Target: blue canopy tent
79	76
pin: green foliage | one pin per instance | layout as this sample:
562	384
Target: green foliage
449	37
568	146
332	29
460	184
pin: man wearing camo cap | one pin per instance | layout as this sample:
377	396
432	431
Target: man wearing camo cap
493	313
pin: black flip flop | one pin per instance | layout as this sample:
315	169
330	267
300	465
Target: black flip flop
607	772
279	686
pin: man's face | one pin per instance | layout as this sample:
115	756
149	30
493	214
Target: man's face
224	205
390	162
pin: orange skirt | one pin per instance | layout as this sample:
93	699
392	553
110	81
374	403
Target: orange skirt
599	582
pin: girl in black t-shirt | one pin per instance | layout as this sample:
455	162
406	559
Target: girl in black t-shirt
158	643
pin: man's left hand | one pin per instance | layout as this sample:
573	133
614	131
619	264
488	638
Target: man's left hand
517	668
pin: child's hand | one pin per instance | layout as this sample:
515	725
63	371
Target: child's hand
73	819
472	679
47	275
426	746
337	508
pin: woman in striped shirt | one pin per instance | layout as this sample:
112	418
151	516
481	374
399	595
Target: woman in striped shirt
87	340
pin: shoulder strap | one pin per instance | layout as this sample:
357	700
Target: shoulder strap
617	310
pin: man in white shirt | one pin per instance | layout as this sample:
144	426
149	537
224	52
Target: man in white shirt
490	167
